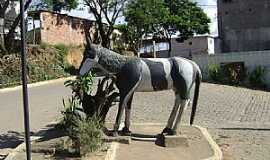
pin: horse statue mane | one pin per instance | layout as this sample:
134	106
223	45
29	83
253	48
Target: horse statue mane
110	60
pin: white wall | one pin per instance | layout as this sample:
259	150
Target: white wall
250	59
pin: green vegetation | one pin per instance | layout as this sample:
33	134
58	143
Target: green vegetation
256	77
215	73
81	85
233	75
84	129
90	135
45	62
164	18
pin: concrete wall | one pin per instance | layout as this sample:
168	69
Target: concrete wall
192	46
244	25
63	29
250	59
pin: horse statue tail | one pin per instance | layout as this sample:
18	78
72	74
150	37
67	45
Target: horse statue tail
198	80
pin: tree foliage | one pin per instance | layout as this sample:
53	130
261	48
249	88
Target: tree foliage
164	18
105	12
57	5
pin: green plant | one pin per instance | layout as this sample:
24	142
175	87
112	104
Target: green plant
81	85
72	115
215	73
90	135
257	77
235	73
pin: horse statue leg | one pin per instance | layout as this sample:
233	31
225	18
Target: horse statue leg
184	103
168	130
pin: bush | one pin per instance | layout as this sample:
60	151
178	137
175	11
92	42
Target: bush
215	73
84	130
72	115
235	73
90	135
81	85
257	77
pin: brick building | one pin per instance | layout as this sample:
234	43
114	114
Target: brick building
54	28
244	25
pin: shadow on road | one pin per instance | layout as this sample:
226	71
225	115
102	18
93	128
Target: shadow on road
250	129
49	132
11	139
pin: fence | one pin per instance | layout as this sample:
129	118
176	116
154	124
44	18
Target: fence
250	59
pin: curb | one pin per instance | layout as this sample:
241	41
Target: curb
217	151
37	84
20	148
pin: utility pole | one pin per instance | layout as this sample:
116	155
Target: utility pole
24	83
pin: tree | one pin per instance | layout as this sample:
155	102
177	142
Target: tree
10	36
144	17
164	18
57	5
186	18
105	11
3	7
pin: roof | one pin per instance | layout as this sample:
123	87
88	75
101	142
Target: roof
35	15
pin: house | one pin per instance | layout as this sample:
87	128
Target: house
200	44
244	25
55	28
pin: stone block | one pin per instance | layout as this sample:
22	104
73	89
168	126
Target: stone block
172	141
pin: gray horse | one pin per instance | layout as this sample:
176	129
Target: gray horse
146	75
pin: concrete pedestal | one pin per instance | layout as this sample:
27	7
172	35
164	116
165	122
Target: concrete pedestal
172	141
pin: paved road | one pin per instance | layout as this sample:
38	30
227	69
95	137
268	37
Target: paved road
45	104
238	118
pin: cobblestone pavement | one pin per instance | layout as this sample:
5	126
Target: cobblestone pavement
237	118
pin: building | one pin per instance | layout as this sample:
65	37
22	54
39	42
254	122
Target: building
188	48
54	28
244	25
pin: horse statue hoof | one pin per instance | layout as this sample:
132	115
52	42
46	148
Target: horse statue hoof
126	132
115	134
168	131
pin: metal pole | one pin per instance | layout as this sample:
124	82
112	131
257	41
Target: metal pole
24	82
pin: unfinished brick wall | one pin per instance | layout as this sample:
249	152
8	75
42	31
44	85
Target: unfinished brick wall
63	29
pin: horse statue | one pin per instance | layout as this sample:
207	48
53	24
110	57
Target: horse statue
135	74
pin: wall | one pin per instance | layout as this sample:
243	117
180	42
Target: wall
244	25
250	59
192	46
63	29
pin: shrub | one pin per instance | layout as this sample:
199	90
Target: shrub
257	77
84	130
81	85
90	135
215	73
234	73
72	115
